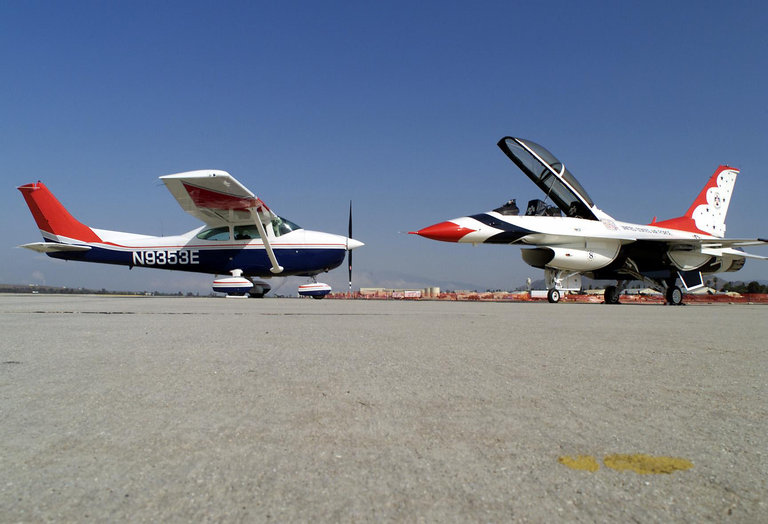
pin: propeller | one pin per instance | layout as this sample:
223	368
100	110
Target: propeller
349	251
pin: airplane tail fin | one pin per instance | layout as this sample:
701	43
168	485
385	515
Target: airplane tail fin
707	213
52	218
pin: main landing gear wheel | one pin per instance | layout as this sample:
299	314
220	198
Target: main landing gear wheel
612	295
674	296
553	295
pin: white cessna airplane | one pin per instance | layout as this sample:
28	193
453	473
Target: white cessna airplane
587	241
241	236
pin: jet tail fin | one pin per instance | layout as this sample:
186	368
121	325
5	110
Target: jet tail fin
707	213
53	219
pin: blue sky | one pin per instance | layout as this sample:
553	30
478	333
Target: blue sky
395	105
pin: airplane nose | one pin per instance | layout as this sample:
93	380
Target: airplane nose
445	231
353	244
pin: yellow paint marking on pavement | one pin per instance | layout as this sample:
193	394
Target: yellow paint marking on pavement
583	462
639	463
646	464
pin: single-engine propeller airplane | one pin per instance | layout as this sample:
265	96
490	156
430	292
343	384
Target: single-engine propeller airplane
587	241
241	236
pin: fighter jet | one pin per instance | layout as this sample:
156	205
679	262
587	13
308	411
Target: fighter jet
568	236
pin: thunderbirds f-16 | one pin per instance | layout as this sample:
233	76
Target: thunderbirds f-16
587	241
241	237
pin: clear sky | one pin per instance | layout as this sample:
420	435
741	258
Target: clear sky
396	106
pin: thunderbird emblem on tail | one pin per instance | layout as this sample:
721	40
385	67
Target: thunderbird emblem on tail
241	236
572	237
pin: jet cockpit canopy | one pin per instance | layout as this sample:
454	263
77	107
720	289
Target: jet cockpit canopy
550	175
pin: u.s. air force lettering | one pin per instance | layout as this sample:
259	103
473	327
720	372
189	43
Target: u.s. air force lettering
162	258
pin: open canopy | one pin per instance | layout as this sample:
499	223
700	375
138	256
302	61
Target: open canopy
550	175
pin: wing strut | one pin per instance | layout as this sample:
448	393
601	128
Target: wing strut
276	268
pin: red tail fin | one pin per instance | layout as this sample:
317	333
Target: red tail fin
707	213
52	217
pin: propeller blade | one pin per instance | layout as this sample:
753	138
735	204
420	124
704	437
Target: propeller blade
349	251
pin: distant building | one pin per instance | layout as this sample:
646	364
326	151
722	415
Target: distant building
380	292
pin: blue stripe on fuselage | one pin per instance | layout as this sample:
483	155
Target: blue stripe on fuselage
510	233
253	262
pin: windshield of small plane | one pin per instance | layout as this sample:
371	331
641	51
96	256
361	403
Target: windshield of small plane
550	175
281	226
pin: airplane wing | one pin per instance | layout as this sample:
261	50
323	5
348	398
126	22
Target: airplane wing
216	198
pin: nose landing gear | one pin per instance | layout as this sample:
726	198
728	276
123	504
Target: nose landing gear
674	295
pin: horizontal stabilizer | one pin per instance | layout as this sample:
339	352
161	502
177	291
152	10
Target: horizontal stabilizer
718	252
733	242
54	247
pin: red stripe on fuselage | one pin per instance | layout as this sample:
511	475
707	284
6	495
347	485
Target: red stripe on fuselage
224	246
685	223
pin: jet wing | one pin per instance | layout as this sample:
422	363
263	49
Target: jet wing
216	198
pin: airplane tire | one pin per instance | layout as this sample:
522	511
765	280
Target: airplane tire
611	295
318	297
553	296
674	296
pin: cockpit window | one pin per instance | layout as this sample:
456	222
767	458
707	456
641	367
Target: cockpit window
510	208
281	226
216	233
550	175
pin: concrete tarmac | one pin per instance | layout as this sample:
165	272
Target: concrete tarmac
197	409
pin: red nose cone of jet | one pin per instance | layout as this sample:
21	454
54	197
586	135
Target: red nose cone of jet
445	231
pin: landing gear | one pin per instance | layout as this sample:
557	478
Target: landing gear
559	281
674	295
260	288
612	294
664	283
